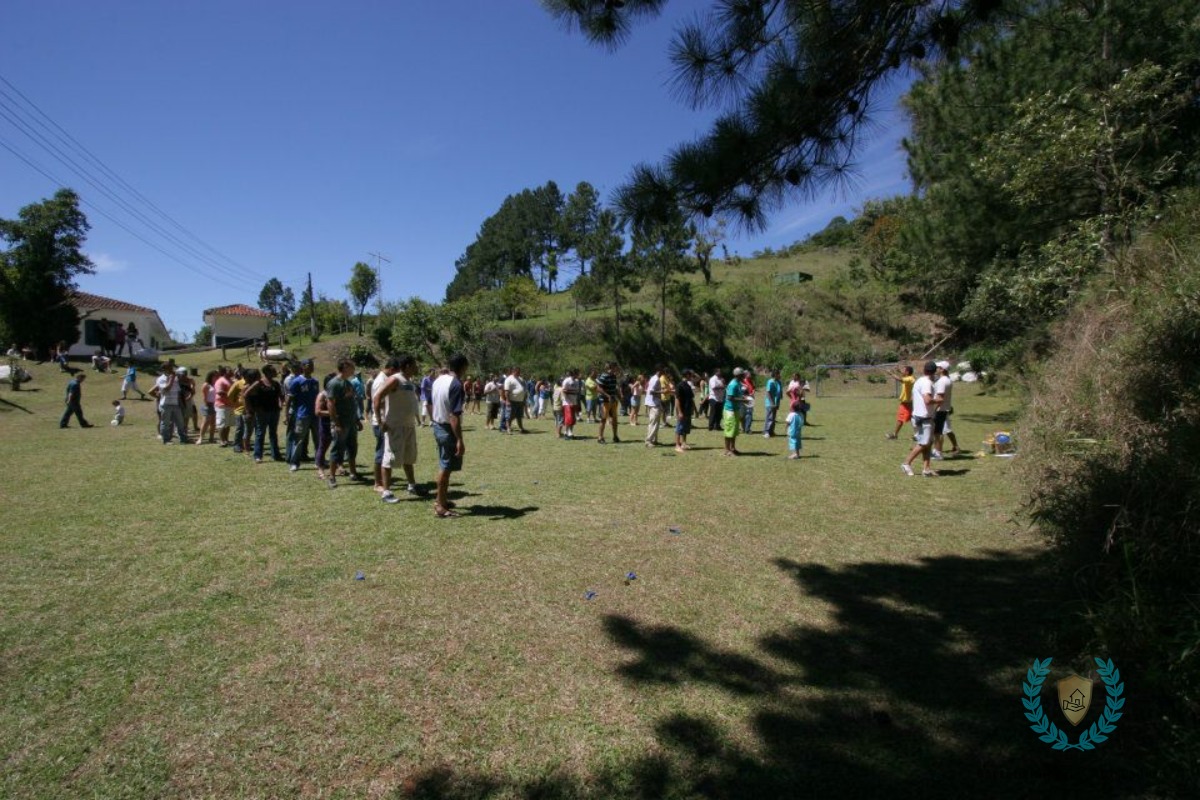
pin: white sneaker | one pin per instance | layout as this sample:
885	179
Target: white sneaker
937	455
906	469
388	497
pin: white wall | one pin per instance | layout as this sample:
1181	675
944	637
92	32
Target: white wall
230	327
150	329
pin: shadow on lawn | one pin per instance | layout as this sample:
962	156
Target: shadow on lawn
917	693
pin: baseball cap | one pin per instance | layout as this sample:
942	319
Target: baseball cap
944	364
181	371
308	362
738	372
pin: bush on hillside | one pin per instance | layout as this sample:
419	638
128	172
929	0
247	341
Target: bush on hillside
1111	458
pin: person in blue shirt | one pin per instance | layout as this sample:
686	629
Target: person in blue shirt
732	411
773	399
302	394
130	382
795	423
74	399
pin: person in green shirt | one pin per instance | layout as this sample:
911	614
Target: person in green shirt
344	423
732	412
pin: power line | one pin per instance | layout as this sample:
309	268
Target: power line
70	142
35	166
120	202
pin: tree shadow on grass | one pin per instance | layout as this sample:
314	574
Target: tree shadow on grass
912	688
8	405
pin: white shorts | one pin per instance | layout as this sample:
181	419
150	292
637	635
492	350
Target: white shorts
223	417
924	430
400	446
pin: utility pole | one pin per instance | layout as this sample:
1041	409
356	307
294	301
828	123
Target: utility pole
379	278
312	309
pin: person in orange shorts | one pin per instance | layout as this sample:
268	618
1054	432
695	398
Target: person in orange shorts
904	410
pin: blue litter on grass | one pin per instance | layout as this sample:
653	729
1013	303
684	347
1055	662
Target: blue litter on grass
675	531
358	576
589	595
630	576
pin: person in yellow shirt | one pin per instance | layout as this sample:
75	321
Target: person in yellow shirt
237	401
904	411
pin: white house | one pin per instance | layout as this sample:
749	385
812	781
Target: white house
236	324
97	312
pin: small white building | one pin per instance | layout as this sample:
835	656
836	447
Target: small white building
237	324
98	312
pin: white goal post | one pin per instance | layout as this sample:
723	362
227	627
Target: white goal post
856	380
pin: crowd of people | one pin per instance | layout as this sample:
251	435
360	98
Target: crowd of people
243	407
926	402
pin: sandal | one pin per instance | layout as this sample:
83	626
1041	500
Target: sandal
442	512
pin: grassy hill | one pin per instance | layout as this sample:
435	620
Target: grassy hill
753	312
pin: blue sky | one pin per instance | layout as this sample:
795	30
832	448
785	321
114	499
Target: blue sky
289	137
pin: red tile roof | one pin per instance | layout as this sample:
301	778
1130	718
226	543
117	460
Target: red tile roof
237	310
95	301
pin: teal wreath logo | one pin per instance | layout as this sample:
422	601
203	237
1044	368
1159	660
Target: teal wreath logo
1048	732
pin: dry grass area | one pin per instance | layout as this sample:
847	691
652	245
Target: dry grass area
180	622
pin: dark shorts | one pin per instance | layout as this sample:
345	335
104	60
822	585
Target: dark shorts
517	409
447	443
378	444
939	423
683	426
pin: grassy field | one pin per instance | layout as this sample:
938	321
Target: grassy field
178	622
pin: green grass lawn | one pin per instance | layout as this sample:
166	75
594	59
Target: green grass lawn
180	622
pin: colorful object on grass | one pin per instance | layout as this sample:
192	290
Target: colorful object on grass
589	595
359	576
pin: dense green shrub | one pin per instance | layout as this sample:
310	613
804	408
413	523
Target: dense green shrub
1111	458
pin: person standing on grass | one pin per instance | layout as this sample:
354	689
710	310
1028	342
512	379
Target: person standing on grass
609	396
395	403
556	405
943	388
264	399
685	409
570	395
666	394
904	411
771	400
716	400
653	406
74	401
513	394
344	423
636	389
924	409
302	400
589	396
208	407
446	413
168	389
375	420
130	382
426	389
795	428
731	412
491	392
747	401
322	415
238	406
221	390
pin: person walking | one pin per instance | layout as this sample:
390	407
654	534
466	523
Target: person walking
685	409
904	410
943	388
446	414
130	382
74	402
925	408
